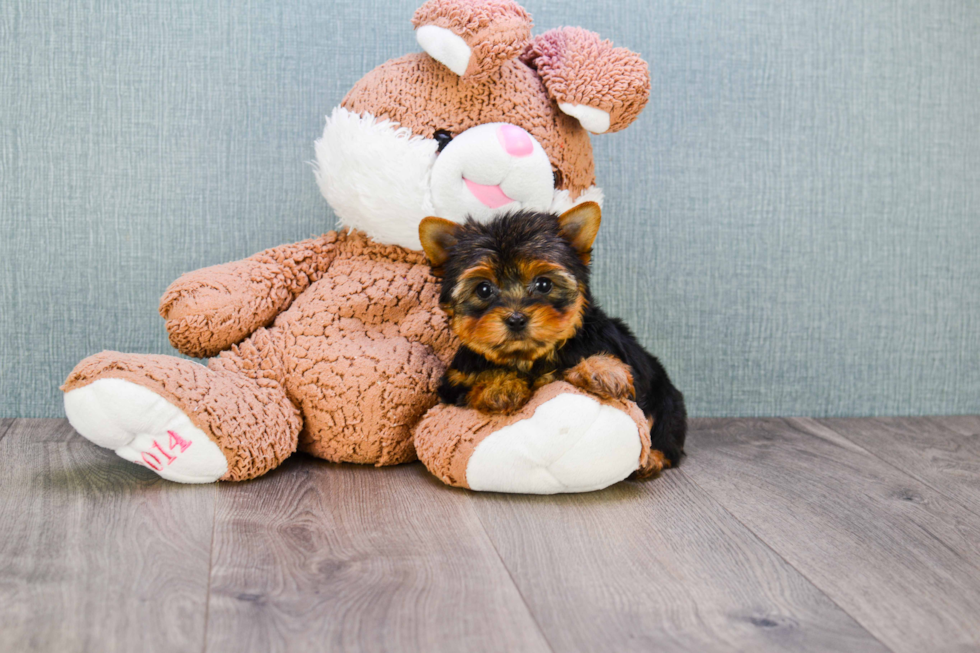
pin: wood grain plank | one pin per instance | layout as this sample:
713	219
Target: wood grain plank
891	551
962	424
5	425
317	556
658	565
96	553
943	453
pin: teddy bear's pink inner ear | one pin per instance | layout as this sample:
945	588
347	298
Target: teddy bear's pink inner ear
472	37
603	86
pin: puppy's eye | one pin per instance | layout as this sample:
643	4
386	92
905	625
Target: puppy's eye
542	285
559	179
484	290
442	137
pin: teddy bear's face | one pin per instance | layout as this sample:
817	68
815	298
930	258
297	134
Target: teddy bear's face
453	133
383	169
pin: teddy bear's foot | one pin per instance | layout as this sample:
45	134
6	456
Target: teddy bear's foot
187	422
563	440
571	443
146	429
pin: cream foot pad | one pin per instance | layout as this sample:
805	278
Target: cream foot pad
146	429
571	443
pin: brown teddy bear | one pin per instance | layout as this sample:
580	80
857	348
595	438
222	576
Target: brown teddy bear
335	345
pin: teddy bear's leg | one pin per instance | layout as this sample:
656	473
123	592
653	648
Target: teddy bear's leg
563	440
187	422
361	394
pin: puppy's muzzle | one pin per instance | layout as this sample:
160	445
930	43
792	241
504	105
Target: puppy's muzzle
516	322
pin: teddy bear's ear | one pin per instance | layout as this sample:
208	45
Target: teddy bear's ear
605	87
472	37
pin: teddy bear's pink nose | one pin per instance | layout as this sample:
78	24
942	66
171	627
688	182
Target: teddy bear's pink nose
515	140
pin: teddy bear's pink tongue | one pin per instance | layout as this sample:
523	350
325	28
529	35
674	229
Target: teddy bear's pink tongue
492	196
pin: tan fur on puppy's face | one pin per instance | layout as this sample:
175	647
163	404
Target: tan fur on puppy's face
515	289
552	317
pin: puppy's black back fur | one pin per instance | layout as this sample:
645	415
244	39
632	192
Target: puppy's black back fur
655	394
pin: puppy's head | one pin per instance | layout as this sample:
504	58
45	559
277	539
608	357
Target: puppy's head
514	288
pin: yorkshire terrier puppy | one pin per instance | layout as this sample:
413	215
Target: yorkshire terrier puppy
516	290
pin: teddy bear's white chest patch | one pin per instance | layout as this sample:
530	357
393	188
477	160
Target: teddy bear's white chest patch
376	176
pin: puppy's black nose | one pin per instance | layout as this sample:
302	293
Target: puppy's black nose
516	321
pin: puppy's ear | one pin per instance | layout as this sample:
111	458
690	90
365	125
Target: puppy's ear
437	236
579	226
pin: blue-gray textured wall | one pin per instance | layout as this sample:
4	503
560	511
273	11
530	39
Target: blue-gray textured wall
793	225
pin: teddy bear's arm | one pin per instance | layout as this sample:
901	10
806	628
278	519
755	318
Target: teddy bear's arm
213	308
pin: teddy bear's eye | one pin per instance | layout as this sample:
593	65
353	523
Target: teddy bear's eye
558	178
442	137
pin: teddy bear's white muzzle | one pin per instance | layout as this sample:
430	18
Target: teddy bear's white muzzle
490	169
382	179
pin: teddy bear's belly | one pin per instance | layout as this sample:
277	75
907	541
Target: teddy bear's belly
390	296
361	358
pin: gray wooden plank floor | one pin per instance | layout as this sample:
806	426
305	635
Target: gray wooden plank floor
898	556
942	453
94	555
343	557
5	424
774	535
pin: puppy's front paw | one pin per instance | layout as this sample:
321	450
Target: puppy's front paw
604	376
499	392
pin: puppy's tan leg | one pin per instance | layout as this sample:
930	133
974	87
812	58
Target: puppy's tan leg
498	391
603	375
